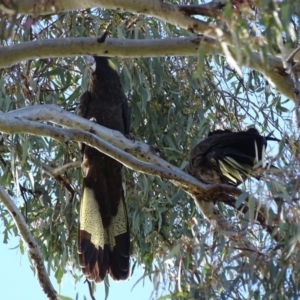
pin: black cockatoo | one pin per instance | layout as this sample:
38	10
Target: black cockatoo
228	157
103	233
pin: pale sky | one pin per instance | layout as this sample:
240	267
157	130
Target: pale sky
18	281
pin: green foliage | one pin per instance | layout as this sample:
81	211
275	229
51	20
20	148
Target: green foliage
174	102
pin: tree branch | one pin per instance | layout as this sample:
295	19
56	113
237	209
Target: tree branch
234	234
55	173
177	15
115	145
163	11
62	47
290	66
211	9
33	249
69	166
118	142
145	48
9	123
111	142
261	213
15	122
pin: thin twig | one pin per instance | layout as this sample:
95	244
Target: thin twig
90	289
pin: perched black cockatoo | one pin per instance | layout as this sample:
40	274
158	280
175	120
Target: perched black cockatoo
229	157
103	233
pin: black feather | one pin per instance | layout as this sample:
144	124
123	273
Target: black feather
103	234
228	157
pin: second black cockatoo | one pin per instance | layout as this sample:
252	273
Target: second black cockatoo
103	233
228	157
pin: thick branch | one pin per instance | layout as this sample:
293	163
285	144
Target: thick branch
33	249
11	124
56	115
177	15
111	142
63	47
118	147
163	11
144	48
